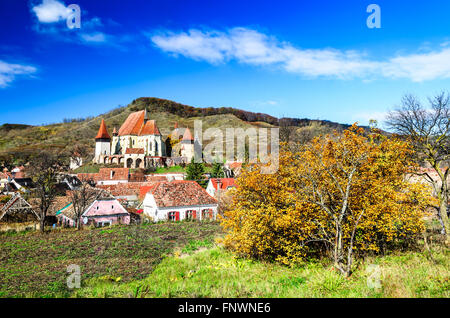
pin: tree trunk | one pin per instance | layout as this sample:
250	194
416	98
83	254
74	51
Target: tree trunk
444	218
42	224
339	251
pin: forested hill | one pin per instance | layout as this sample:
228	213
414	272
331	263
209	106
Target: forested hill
20	141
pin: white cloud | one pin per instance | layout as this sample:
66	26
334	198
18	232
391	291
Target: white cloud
8	72
50	11
252	47
97	37
420	67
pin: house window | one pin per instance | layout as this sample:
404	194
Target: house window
191	215
173	216
104	223
207	214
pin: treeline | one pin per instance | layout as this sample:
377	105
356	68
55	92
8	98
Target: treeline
164	105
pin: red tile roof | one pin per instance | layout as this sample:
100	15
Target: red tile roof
132	124
144	189
187	135
180	193
130	151
234	165
136	124
105	174
4	175
102	132
225	183
126	189
149	128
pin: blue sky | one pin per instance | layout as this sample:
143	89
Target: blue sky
314	59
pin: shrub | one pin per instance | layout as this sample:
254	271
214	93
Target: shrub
335	195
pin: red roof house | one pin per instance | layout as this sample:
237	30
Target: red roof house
222	184
179	200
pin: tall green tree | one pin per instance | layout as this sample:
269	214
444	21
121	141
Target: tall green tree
195	171
217	170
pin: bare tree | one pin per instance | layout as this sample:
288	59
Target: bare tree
45	170
81	198
428	130
285	124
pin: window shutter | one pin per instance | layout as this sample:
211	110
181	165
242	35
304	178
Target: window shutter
177	216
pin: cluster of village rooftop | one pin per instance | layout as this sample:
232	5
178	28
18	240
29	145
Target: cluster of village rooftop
126	196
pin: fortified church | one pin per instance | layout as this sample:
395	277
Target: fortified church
139	144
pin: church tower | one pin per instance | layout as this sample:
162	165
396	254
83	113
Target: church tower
187	145
102	142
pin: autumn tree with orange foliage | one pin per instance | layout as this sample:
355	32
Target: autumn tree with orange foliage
340	193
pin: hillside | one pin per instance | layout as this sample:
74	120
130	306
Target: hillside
21	141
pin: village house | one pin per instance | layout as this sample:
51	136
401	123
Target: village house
4	179
179	200
105	212
17	214
18	172
232	169
21	184
126	191
220	185
107	176
101	212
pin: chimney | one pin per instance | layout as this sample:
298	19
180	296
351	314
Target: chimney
146	115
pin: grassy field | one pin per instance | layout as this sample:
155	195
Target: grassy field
215	272
35	265
183	260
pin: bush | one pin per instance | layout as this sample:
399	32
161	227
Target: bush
335	195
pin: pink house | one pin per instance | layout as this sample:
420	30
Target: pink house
105	212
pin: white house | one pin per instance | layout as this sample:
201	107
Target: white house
179	200
219	184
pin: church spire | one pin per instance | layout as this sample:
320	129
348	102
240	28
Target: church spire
102	131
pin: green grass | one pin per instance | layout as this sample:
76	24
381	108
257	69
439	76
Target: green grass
170	169
34	264
182	260
94	168
217	273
